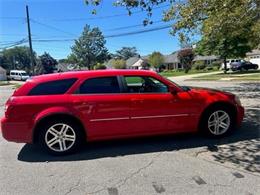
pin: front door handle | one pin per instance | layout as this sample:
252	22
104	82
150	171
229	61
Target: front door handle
79	102
135	100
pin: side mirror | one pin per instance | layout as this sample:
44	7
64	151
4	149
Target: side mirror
173	91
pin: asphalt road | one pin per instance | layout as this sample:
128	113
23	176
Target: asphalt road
180	164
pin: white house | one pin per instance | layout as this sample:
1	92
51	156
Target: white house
2	74
254	57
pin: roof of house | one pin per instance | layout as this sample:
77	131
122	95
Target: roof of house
132	61
64	67
139	63
253	52
202	58
109	63
2	70
172	58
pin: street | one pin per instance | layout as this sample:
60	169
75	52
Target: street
178	164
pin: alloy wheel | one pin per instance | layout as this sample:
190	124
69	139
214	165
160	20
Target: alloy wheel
219	122
60	137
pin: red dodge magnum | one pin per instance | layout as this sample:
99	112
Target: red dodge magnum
61	111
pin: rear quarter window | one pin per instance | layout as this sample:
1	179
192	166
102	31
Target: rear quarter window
53	87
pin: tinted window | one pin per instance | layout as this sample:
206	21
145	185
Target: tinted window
53	87
139	84
100	85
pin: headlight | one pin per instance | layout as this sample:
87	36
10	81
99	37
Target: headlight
237	100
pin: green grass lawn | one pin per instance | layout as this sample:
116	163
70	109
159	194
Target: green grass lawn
3	83
247	76
181	72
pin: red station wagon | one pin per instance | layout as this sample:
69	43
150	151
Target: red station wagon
61	111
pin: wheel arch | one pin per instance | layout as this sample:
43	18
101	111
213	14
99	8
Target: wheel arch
62	116
214	105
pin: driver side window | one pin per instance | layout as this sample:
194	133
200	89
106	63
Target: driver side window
143	84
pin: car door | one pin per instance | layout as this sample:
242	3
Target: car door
104	108
156	110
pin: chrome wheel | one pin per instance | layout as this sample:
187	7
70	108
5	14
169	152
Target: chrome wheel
60	137
219	122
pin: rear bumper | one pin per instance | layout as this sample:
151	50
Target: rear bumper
16	131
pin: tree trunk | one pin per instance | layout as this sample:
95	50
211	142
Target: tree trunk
225	65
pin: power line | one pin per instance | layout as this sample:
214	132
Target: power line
108	36
139	32
13	18
15	44
132	26
51	27
107	16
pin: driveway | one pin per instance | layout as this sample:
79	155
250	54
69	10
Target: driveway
180	164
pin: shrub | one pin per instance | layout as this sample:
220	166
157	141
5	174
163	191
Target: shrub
99	66
119	64
209	67
216	65
199	65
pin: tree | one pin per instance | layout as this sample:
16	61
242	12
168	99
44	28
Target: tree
227	28
186	56
126	52
16	58
156	59
118	63
90	48
48	63
72	59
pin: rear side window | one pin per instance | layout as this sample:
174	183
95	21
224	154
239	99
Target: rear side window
53	87
100	85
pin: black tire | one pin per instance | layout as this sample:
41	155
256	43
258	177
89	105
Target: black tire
45	134
205	127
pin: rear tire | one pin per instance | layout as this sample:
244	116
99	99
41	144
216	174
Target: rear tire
218	122
61	137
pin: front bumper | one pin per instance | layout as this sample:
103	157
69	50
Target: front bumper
16	131
240	115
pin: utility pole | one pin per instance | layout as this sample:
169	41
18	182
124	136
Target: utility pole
30	39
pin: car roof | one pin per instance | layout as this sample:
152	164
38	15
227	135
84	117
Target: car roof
91	73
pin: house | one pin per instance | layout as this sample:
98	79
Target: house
172	61
64	67
3	76
207	60
254	57
109	64
136	62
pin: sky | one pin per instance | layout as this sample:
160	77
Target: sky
65	20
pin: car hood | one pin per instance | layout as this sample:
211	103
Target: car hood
209	91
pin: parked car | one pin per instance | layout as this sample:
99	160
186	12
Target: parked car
229	61
235	66
63	110
19	75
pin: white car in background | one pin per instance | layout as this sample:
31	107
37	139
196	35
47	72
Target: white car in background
229	61
20	75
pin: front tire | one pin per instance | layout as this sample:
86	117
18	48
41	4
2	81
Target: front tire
218	122
60	137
